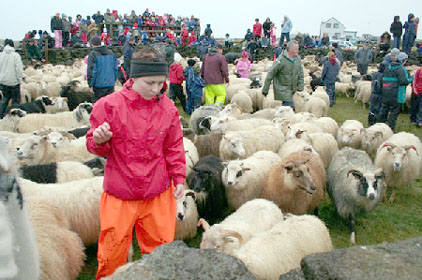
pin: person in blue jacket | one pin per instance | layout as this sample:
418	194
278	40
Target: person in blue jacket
194	86
329	76
409	34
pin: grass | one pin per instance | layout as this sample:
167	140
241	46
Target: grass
386	223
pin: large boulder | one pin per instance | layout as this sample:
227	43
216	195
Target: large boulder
177	261
399	260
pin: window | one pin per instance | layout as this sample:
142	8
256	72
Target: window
328	25
335	25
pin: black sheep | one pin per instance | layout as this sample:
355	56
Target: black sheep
74	98
36	106
206	179
79	132
42	173
316	81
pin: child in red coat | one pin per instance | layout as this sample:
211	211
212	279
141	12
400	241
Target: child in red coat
176	78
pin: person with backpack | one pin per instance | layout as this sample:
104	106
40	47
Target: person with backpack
376	97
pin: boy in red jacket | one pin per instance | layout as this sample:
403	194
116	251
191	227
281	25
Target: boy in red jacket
176	78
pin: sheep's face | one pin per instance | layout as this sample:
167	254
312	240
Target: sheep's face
236	145
306	116
370	137
369	184
400	158
43	85
282	124
17	113
199	181
217	123
303	95
33	149
299	176
184	204
233	173
60	102
348	136
82	112
220	239
57	139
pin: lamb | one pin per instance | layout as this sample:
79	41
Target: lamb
307	103
186	216
191	155
11	120
400	158
74	97
206	181
225	124
36	106
286	112
255	216
242	144
77	118
344	88
244	101
324	144
243	179
199	114
51	89
297	184
373	136
57	172
349	134
280	249
358	193
83	213
295	145
208	144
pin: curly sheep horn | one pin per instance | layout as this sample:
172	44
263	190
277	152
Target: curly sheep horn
299	133
389	145
355	172
233	233
191	194
204	224
407	147
237	106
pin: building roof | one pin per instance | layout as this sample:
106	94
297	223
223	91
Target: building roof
331	19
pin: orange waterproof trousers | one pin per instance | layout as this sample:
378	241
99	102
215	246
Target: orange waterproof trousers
154	221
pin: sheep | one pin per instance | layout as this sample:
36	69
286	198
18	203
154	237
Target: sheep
321	93
324	144
280	249
199	114
242	144
243	179
208	144
96	165
60	105
206	181
307	103
79	132
225	124
231	110
295	145
191	155
282	124
77	118
400	158
234	87
267	114
286	112
57	172
328	125
302	129
358	193
253	217
82	213
74	97
33	88
186	216
363	91
344	88
36	106
349	134
296	185
19	257
373	136
244	101
51	89
11	120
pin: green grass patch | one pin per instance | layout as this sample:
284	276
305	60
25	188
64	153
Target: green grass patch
386	223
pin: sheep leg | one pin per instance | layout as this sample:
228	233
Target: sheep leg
316	211
352	229
393	194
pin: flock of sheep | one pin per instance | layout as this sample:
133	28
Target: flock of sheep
267	165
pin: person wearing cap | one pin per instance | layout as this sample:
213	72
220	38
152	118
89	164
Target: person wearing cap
57	27
176	78
109	20
409	34
244	66
208	31
392	79
392	56
215	72
402	58
329	76
363	57
102	69
251	48
286	73
416	99
11	75
138	130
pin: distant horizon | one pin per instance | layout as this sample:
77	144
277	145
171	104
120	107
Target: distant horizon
224	17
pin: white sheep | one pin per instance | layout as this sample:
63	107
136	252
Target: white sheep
243	179
60	105
186	216
324	144
254	216
234	87
77	118
321	93
373	136
297	184
354	184
295	145
400	158
328	125
79	200
349	134
301	129
274	252
344	88
244	101
225	124
242	144
363	92
286	112
199	114
191	154
11	120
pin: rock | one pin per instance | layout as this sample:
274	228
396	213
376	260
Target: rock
295	274
399	260
177	261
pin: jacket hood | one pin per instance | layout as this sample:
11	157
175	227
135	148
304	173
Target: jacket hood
410	16
8	49
212	51
396	18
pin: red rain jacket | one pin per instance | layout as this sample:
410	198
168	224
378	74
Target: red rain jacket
146	150
176	74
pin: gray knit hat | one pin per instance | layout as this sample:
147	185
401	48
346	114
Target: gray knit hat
96	41
395	52
402	57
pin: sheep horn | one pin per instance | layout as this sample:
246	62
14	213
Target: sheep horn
204	224
299	133
407	147
389	145
233	233
355	172
191	194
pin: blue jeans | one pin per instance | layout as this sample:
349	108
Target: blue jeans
408	42
396	43
9	92
331	91
287	35
289	103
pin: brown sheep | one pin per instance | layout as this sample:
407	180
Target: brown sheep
297	184
208	144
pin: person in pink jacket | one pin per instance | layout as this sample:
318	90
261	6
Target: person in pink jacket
138	130
244	66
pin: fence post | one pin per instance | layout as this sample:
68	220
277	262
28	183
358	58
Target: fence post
46	49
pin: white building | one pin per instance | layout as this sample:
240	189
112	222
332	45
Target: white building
336	30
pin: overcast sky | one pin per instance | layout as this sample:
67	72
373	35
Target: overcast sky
233	17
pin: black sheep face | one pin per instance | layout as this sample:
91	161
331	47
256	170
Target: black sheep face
17	113
369	184
47	101
64	91
200	180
